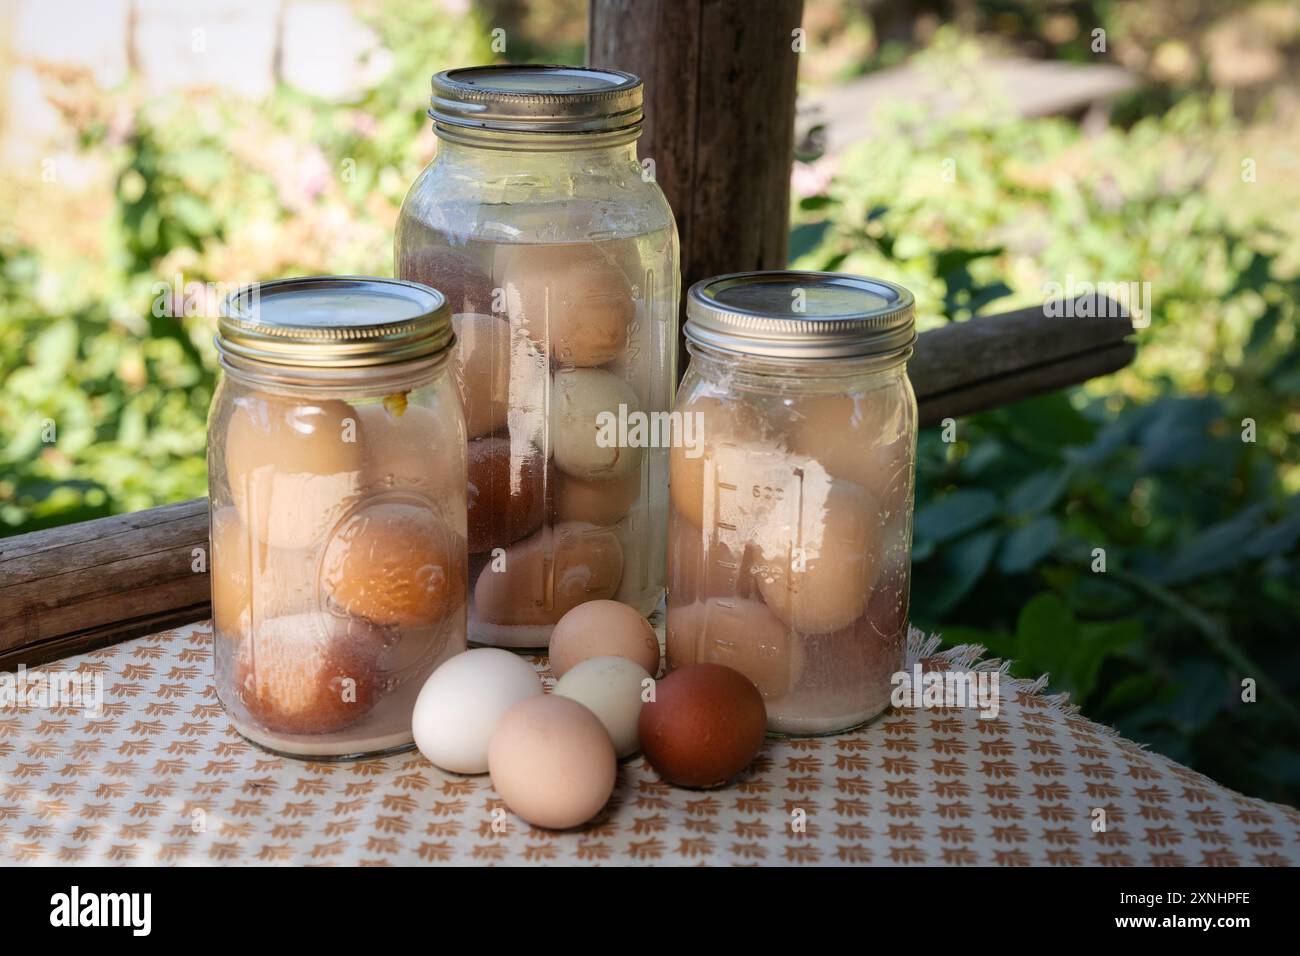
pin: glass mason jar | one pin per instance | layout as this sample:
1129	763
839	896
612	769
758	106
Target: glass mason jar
336	475
558	253
791	524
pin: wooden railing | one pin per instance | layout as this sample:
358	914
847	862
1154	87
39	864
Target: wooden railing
82	586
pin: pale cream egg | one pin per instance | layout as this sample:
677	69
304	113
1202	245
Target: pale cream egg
569	298
292	465
587	405
539	579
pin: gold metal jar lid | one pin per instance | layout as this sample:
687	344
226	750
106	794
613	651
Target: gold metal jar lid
801	315
334	322
535	99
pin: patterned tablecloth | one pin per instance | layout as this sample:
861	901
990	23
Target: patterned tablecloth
161	777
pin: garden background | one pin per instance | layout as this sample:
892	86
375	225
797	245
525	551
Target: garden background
148	146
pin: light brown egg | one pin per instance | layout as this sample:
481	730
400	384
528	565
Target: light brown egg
394	563
308	673
586	405
467	287
818	568
864	438
481	367
744	635
715	424
292	466
552	761
507	493
602	501
548	574
568	296
603	629
416	450
702	566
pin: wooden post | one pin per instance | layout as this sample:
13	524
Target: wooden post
70	589
719	102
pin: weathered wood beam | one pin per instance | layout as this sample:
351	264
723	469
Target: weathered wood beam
70	589
719	104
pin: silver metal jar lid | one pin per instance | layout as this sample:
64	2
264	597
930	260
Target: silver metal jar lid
790	314
535	99
334	322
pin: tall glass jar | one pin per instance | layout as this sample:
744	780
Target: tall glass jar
790	531
558	253
336	474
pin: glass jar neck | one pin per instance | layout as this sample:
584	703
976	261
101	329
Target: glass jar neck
518	153
374	381
807	374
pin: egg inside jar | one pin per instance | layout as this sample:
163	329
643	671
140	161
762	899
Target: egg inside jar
336	460
560	258
790	525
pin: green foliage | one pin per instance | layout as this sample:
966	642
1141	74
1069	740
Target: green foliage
1183	471
104	398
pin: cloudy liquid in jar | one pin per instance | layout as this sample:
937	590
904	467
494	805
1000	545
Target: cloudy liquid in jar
555	337
791	514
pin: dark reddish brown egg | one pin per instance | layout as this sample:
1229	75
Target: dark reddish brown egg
507	493
704	725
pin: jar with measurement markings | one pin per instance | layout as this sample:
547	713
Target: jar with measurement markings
336	470
791	492
558	253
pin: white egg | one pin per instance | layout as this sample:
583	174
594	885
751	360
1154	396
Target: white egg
461	702
611	688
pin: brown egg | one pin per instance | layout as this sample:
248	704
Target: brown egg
718	425
568	296
507	493
292	465
414	450
704	725
547	574
393	563
819	567
586	404
552	761
308	673
467	287
603	629
481	366
744	635
601	501
865	438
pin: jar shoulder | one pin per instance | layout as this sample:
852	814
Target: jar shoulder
555	204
